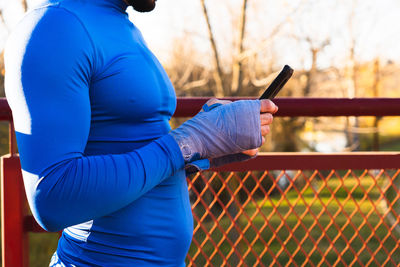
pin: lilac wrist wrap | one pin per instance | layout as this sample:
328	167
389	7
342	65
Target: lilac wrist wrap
223	130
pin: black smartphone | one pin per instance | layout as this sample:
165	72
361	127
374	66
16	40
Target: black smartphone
277	84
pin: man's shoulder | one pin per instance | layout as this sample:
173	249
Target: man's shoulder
46	19
46	30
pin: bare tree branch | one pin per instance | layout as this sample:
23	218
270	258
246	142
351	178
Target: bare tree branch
2	17
252	51
219	92
312	73
375	89
25	5
263	81
3	21
185	76
351	77
252	73
237	72
195	84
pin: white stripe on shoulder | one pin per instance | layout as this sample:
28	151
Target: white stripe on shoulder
13	57
80	231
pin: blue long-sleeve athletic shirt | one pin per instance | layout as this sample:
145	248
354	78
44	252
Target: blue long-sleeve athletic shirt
91	107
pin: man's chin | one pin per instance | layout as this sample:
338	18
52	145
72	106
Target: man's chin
143	5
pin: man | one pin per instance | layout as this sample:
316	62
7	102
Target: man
91	106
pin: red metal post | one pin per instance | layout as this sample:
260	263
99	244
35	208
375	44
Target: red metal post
12	141
15	245
5	111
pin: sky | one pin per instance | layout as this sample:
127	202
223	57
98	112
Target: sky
373	25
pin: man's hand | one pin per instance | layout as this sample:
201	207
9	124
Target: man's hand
267	109
221	130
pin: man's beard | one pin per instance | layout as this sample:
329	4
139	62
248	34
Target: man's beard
142	5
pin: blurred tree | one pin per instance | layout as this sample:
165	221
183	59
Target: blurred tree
239	78
311	74
2	72
376	89
237	66
25	5
218	75
187	75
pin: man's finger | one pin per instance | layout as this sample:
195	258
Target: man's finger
251	152
266	118
264	130
267	106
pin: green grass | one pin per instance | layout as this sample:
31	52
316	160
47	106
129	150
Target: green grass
41	248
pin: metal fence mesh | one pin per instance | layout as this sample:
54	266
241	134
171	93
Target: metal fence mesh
296	218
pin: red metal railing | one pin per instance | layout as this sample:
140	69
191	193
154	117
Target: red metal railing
280	209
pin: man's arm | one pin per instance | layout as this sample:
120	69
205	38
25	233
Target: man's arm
50	59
